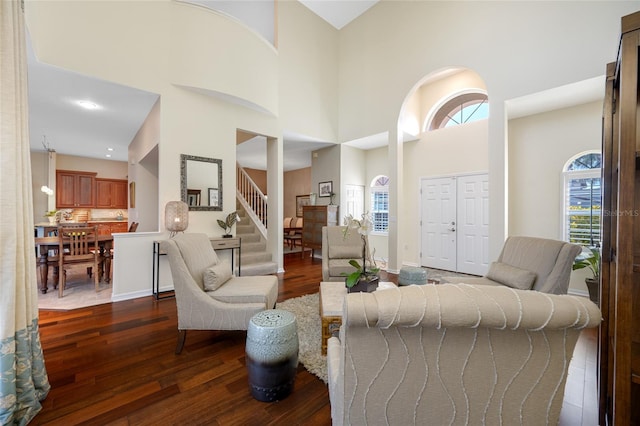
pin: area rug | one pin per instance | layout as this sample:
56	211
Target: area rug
305	308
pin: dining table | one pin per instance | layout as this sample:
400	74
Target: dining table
45	244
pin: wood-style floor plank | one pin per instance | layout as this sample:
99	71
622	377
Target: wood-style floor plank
115	364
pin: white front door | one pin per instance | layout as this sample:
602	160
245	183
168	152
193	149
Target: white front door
439	223
455	223
473	224
354	201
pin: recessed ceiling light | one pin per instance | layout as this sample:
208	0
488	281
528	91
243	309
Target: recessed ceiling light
88	104
109	149
108	155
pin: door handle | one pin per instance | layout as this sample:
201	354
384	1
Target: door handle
452	229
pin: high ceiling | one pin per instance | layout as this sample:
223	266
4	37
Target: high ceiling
59	122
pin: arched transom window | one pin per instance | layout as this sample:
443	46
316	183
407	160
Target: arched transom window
461	109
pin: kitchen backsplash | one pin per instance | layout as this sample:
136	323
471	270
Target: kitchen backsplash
98	214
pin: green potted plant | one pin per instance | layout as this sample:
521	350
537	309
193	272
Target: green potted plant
52	215
362	279
228	223
591	261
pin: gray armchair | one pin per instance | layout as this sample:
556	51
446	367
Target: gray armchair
208	297
337	251
529	263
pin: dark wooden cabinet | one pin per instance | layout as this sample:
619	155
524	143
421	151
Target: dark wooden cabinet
75	189
108	228
619	335
111	193
314	218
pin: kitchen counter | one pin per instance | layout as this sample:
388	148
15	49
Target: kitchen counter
106	226
99	220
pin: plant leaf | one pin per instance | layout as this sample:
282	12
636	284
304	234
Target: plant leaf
355	264
352	279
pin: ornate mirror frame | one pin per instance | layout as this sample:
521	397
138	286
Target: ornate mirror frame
205	184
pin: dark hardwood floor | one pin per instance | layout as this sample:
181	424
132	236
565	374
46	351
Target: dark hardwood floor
115	364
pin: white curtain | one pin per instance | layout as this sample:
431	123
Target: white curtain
23	377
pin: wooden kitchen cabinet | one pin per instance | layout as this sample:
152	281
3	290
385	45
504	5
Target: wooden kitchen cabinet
108	228
75	189
111	193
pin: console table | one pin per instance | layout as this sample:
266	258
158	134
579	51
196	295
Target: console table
233	244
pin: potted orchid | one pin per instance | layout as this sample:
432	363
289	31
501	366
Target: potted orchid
362	279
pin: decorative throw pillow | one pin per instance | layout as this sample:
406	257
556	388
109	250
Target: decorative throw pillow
511	276
216	275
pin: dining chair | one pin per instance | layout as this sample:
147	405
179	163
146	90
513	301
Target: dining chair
77	245
133	227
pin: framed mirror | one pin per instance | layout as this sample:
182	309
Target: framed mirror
201	182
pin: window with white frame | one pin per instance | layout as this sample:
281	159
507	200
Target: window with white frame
461	109
380	204
583	200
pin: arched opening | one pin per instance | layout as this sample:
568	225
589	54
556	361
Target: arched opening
459	153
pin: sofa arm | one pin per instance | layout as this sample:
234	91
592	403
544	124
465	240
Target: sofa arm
336	379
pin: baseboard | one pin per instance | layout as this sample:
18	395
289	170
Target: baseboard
131	295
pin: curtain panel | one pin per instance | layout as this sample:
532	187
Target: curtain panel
23	377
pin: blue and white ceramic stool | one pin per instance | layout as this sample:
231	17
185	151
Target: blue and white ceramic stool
412	275
272	354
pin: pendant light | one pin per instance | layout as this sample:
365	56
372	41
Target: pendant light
45	188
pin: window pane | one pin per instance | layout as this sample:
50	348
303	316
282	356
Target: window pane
468	114
583	212
586	162
380	210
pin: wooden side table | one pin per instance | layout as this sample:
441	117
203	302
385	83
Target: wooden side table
332	295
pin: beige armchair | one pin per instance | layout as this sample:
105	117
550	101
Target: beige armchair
208	297
454	354
337	251
529	263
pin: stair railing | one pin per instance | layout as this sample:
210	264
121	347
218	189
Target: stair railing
252	199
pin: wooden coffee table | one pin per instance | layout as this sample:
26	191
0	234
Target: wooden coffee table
332	295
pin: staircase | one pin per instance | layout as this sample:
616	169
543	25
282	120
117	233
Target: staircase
256	260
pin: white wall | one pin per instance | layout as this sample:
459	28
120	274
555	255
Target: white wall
393	45
308	72
325	166
143	172
39	177
535	178
107	169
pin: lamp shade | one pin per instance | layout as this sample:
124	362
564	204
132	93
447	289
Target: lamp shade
176	216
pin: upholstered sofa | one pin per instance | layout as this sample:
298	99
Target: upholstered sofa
337	251
529	263
454	354
208	296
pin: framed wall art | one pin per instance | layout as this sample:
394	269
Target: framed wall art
325	189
